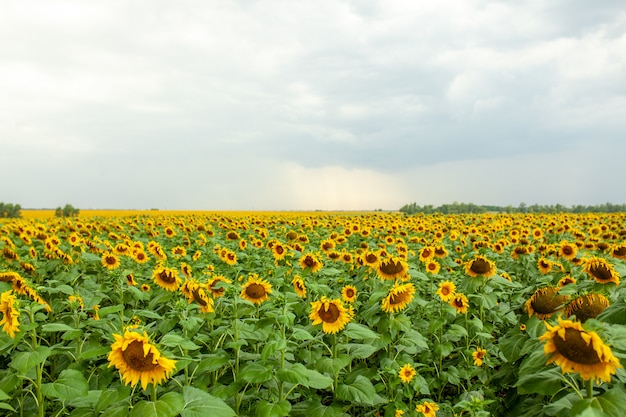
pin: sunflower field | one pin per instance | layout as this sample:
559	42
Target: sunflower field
313	314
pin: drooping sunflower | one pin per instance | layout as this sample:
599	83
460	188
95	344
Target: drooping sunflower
446	291
479	356
348	293
166	278
407	373
9	307
601	271
398	298
586	307
392	267
256	290
202	299
576	350
460	303
618	251
110	261
427	408
138	360
480	266
298	286
545	302
310	263
331	314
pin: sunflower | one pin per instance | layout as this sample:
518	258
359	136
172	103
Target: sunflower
9	307
545	302
619	251
179	251
398	298
407	373
391	268
202	299
479	355
166	278
566	280
576	350
110	261
140	256
544	265
279	251
256	290
427	408
446	291
601	271
426	253
370	258
480	266
586	307
348	293
298	286
310	262
460	303
432	267
568	250
216	286
331	314
138	360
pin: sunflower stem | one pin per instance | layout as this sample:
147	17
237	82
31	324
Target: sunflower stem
154	392
590	388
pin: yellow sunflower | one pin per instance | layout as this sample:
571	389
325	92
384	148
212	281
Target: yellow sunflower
432	267
331	314
309	262
480	266
202	299
427	408
110	261
407	373
544	265
545	302
576	350
460	303
601	271
479	355
426	253
166	278
618	251
446	291
398	298
217	285
586	307
9	307
392	267
256	290
138	360
348	293
298	286
568	250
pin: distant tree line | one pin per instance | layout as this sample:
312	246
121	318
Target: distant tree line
67	211
8	210
458	208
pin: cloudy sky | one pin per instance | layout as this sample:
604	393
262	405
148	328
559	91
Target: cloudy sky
326	104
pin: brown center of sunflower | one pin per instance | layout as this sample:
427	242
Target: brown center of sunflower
399	298
445	290
299	285
567	250
587	307
432	266
370	258
620	251
279	250
198	297
480	266
458	302
135	359
329	316
426	253
546	300
255	290
110	260
574	347
349	293
601	272
167	277
391	267
309	261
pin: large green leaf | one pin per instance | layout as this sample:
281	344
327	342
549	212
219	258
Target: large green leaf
317	409
70	385
168	405
201	404
255	373
23	361
268	409
361	391
546	382
174	340
609	404
359	332
360	351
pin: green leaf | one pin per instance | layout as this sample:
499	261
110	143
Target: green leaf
455	333
333	365
5	406
317	409
296	374
70	385
168	405
255	373
609	404
116	411
615	313
89	257
359	332
546	382
201	404
271	347
360	351
317	380
56	327
24	361
214	361
174	340
300	334
105	311
268	409
92	353
511	346
360	391
110	397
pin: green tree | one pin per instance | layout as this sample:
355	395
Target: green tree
9	210
67	211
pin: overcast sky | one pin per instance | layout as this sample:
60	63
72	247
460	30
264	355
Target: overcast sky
326	104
